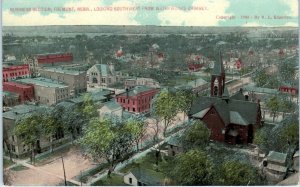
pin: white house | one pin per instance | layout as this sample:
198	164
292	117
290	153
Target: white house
142	177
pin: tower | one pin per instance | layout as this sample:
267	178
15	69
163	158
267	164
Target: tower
217	84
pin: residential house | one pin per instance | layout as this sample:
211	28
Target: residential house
275	166
137	100
143	177
230	120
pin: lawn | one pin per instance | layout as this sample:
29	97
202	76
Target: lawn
7	163
88	173
115	180
18	168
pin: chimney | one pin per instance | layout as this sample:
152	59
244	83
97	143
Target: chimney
127	92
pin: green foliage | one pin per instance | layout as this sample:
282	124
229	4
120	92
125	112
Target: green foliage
137	129
109	139
273	105
185	98
192	168
260	77
236	173
165	107
197	136
88	109
29	128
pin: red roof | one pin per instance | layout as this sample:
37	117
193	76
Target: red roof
59	57
16	84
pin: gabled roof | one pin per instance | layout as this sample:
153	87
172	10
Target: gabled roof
146	176
242	111
20	110
218	66
103	69
176	139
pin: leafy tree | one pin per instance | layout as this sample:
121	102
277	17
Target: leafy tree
165	107
73	122
28	128
105	139
192	168
197	136
273	104
260	77
88	109
137	127
235	173
185	98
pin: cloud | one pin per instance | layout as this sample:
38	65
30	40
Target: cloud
76	18
293	4
207	17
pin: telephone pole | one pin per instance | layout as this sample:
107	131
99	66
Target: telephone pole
62	160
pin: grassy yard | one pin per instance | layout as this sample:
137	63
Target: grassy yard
18	168
47	158
88	173
115	180
7	163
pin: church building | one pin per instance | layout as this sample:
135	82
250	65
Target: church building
231	119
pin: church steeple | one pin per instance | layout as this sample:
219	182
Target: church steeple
217	78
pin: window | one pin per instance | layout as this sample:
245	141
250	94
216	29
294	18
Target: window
133	109
130	180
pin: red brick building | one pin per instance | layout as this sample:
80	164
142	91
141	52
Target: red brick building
25	92
14	72
137	100
54	58
229	120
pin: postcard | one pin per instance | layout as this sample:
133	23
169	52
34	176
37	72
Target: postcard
150	92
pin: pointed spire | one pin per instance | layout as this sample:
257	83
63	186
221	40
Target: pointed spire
218	66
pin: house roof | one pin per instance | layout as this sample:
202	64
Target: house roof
137	90
244	112
146	176
238	96
277	157
176	139
253	88
218	66
196	83
276	167
112	105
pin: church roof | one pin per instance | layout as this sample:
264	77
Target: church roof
231	111
218	66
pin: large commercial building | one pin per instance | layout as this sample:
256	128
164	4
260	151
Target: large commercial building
41	60
139	81
76	80
48	91
25	92
137	100
14	72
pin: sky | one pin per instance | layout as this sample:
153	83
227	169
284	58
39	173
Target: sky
151	12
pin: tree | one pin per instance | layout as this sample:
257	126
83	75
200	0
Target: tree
73	122
88	109
28	128
165	107
197	136
235	173
185	98
105	139
273	104
260	77
192	168
137	127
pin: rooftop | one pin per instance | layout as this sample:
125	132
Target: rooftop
147	176
63	70
277	157
19	110
43	82
9	94
137	90
17	84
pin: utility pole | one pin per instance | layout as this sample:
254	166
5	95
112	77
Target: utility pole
62	160
80	178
